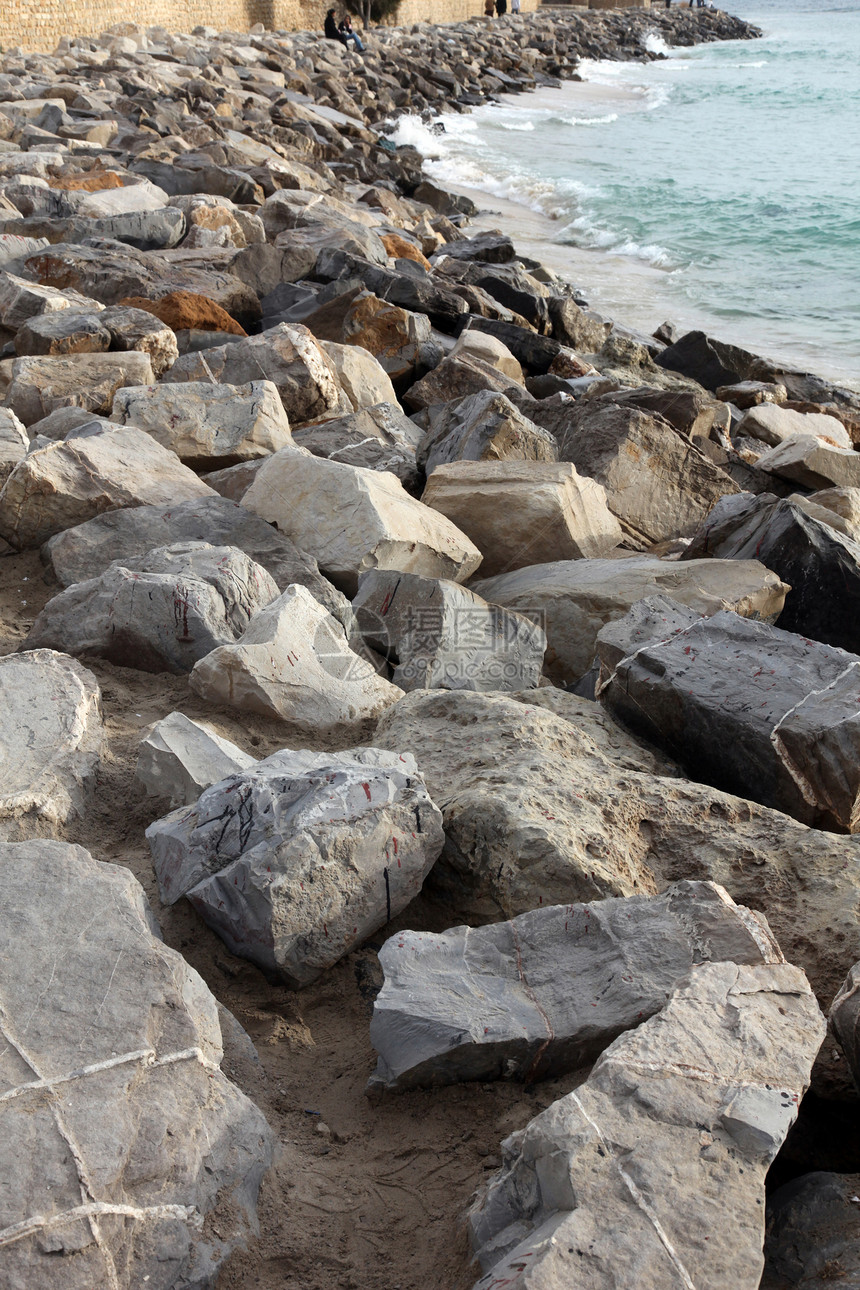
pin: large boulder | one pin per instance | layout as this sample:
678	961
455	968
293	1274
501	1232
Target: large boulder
302	856
178	758
541	809
352	520
804	547
396	337
14	442
812	1234
71	481
546	992
126	535
652	1172
483	427
748	708
89	381
206	425
172	607
380	437
774	425
457	377
21	300
293	663
50	743
521	513
442	636
657	483
116	1043
287	355
576	598
362	379
812	462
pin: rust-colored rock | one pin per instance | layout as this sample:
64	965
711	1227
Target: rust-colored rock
399	249
95	181
183	310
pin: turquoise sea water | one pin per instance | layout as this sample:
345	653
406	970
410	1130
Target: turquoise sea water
717	188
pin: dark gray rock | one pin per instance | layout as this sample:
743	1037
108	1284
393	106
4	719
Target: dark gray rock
536	353
491	247
378	438
483	427
547	992
812	1239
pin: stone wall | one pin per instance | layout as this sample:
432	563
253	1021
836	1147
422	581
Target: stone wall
39	24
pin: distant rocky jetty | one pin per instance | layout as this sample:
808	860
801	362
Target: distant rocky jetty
429	580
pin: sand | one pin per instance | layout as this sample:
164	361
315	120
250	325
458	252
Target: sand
364	1194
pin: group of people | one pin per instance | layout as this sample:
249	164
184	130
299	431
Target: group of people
342	31
500	7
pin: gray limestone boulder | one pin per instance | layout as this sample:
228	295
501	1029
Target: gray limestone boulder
178	758
574	599
303	856
112	1043
544	809
21	300
352	519
520	513
442	636
50	743
288	355
172	607
136	329
483	427
748	708
42	383
774	425
546	992
206	425
813	462
14	442
293	663
66	331
125	535
67	483
651	1173
380	437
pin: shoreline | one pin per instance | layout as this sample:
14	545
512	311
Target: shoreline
629	290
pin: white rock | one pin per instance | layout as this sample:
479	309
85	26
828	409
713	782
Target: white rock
178	758
479	344
813	462
303	856
50	742
293	662
523	513
773	425
362	378
74	480
651	1174
351	519
41	383
215	425
14	442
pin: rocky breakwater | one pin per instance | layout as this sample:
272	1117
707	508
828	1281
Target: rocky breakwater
316	510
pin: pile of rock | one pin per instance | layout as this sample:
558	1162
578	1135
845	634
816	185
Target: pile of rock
282	429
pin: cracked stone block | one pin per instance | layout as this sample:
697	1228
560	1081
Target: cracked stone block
651	1173
50	742
302	856
546	992
750	709
179	758
111	1044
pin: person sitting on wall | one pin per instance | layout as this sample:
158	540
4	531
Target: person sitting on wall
347	34
331	30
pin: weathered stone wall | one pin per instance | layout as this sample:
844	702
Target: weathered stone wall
39	24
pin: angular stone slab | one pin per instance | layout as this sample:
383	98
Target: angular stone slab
352	520
206	425
172	607
86	550
820	564
522	513
442	636
89	381
287	355
576	598
651	1174
547	992
14	442
813	463
484	427
303	856
67	331
179	758
753	710
293	663
50	742
67	483
378	438
111	1042
774	425
543	807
